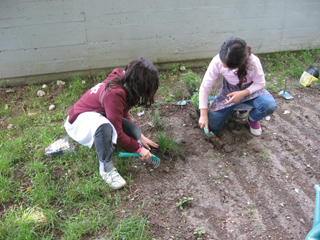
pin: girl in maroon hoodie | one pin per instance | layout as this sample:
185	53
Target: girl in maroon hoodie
101	116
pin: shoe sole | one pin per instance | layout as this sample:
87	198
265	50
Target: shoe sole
118	187
258	134
255	132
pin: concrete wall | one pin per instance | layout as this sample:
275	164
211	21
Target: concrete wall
42	40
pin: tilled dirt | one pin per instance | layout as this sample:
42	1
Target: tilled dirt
233	185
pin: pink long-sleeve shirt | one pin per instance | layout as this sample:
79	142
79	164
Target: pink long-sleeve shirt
255	74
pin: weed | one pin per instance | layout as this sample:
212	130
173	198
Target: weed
169	97
295	152
195	100
156	121
265	155
3	84
175	68
251	211
132	227
222	173
163	76
166	142
191	79
221	155
199	232
180	204
284	170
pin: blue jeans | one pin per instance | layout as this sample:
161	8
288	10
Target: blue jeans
262	106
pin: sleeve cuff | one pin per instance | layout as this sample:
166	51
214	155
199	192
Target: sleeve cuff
139	149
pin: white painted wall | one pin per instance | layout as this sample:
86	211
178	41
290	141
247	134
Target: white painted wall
42	40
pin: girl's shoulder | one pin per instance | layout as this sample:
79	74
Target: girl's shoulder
255	66
216	62
253	59
116	91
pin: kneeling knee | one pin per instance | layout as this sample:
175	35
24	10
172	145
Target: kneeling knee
105	129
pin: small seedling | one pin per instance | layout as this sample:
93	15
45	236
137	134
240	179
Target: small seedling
199	232
295	152
265	155
222	173
251	213
183	201
221	155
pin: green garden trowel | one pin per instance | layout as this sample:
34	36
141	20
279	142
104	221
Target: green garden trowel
154	160
314	233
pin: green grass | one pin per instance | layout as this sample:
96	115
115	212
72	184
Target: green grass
281	65
166	142
64	197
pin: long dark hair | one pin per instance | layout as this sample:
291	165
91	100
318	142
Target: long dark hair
235	53
140	81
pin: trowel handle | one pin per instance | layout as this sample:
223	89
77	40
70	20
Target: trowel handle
127	154
316	219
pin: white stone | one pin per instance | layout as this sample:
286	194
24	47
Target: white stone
60	83
51	107
41	93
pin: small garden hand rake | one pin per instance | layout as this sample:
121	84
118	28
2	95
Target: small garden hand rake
154	160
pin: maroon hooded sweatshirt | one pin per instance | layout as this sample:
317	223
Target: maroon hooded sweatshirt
111	104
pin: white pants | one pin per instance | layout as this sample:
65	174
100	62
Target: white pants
82	130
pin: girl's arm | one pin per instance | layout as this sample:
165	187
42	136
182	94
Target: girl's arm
115	105
209	78
147	143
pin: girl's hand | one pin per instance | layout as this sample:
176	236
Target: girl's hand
145	154
235	97
204	120
147	143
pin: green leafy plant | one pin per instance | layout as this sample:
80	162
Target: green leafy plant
192	80
183	201
175	67
222	173
156	121
195	100
251	211
199	232
166	142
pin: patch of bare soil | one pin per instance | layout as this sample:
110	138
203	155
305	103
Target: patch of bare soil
243	187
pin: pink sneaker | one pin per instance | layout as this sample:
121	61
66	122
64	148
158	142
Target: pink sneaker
255	127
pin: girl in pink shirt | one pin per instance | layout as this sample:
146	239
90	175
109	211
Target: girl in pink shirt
242	88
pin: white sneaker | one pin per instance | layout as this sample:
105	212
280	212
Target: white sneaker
255	127
113	179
